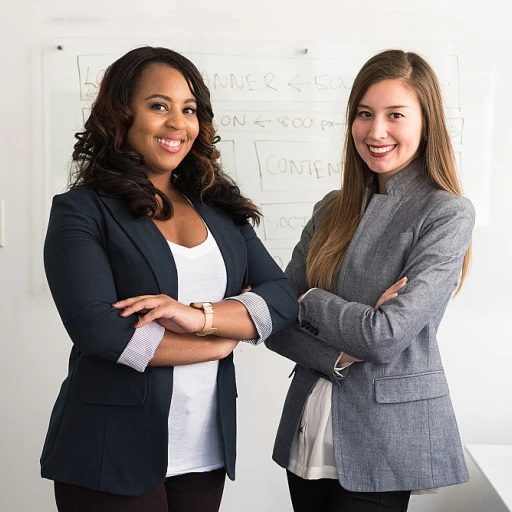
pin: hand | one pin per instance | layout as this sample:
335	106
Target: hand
169	313
391	292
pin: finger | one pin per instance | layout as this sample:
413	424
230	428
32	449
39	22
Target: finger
154	314
384	298
398	285
139	307
128	302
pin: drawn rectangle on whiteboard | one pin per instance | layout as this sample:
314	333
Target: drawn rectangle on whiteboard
285	221
448	73
227	157
91	69
253	78
294	165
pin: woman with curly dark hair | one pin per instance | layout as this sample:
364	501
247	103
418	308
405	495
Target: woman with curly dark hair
150	259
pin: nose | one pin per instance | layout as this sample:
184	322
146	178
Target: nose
378	129
175	119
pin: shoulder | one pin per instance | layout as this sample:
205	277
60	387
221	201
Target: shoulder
321	207
326	200
441	202
79	195
79	200
448	215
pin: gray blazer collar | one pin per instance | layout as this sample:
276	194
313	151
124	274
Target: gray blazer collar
409	179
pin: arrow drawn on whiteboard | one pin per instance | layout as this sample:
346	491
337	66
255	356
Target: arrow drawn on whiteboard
293	84
444	84
260	122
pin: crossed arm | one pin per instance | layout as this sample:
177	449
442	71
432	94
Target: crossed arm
179	345
80	275
379	333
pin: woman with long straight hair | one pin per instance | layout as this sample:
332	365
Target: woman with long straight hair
368	416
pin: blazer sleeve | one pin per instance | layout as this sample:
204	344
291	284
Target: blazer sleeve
78	271
268	281
293	342
433	269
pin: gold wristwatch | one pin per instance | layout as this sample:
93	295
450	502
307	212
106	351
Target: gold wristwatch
207	308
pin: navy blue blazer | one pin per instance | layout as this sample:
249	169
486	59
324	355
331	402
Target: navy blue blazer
109	427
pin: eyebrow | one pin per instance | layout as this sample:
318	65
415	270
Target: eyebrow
390	107
167	98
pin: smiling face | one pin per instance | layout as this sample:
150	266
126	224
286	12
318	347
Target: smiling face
165	123
387	129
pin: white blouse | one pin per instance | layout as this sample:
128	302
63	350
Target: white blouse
194	437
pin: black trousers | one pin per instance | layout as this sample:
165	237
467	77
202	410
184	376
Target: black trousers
198	492
327	495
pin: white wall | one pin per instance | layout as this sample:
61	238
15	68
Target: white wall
474	338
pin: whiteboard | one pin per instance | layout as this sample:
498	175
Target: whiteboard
279	110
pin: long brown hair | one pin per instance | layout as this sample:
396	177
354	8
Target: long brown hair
103	159
343	212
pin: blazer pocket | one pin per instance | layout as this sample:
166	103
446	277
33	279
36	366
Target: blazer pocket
113	388
408	388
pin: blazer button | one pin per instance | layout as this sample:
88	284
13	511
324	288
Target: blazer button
307	325
316	331
302	323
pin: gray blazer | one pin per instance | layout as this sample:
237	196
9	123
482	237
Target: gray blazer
393	422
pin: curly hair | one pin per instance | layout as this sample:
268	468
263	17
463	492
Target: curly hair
103	159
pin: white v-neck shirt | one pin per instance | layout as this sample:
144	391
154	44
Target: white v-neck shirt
195	443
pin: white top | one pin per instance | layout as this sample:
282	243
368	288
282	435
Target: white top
194	437
312	451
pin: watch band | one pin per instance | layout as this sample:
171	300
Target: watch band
207	308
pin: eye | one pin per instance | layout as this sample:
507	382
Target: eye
396	115
158	106
189	111
364	114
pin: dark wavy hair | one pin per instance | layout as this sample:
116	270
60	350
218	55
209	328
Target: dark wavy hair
103	160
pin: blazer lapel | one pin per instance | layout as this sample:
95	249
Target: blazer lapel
224	232
377	216
381	211
147	238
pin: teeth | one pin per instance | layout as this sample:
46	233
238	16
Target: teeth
170	143
381	150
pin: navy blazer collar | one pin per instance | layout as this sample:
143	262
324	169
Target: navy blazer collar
152	244
147	238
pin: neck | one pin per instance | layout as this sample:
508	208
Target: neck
382	185
163	183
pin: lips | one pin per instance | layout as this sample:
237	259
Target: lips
380	151
171	145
